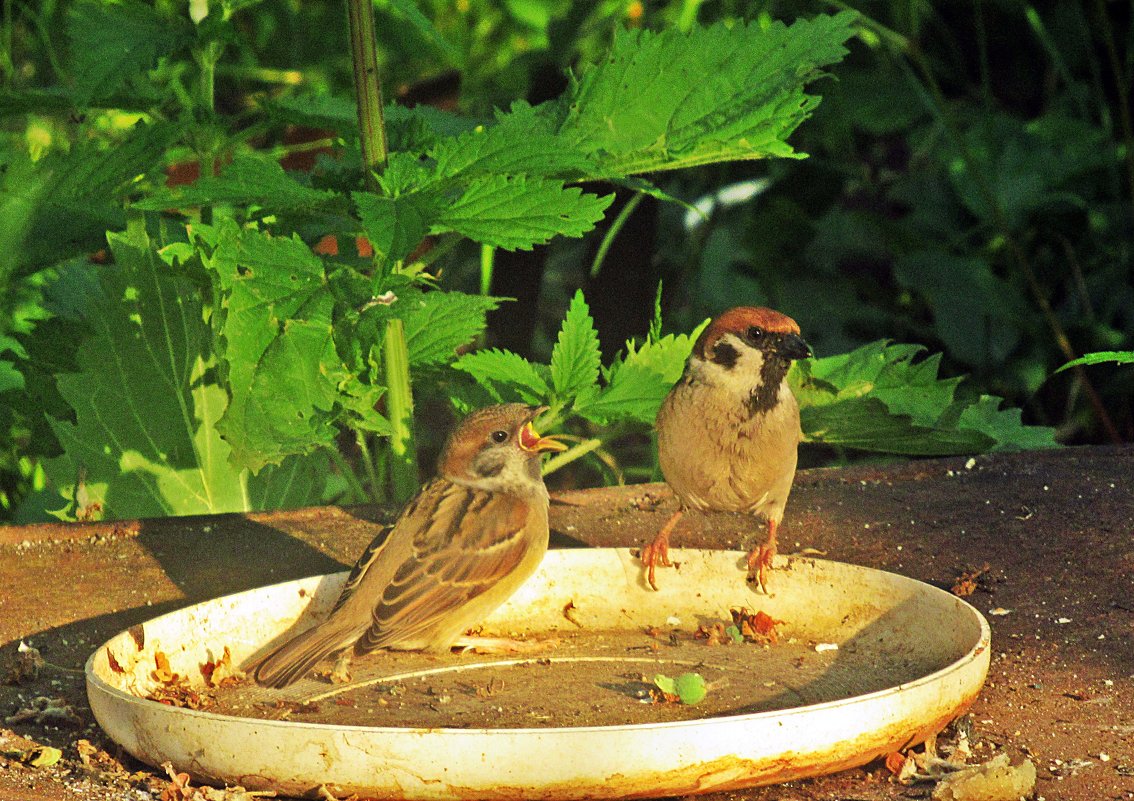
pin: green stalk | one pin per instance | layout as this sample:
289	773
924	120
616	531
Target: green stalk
367	88
372	132
612	232
487	262
399	408
570	455
357	491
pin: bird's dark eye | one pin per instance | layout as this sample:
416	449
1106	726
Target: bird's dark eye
499	436
754	333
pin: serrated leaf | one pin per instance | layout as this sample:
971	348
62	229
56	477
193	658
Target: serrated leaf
511	149
1004	426
640	382
1118	356
317	111
10	377
83	186
394	225
249	179
576	356
408	10
506	369
438	323
672	99
881	398
283	369
146	400
112	42
517	212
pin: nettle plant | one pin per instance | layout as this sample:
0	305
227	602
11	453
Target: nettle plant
224	363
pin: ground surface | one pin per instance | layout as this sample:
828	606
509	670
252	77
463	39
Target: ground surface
1056	530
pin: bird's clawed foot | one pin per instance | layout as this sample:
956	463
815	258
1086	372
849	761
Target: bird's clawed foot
759	563
657	552
654	554
340	673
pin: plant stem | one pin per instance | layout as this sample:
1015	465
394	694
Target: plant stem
357	491
568	456
375	471
367	88
487	262
372	132
612	232
399	408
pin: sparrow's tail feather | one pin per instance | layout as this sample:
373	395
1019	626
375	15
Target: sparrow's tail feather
291	661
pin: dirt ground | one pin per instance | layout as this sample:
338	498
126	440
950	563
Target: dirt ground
1055	530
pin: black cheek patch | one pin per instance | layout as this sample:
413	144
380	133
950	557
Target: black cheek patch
487	467
725	355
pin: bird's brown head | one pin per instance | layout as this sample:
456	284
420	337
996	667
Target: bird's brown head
497	448
750	348
757	327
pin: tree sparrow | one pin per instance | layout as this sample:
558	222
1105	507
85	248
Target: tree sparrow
457	551
728	432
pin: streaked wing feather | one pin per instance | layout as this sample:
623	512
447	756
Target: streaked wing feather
456	558
368	557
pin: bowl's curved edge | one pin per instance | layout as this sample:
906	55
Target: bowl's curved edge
596	762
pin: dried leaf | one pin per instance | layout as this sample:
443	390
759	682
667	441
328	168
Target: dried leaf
758	628
114	666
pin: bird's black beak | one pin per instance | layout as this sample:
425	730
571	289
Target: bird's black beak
792	347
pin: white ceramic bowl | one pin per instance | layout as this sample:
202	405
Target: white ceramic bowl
939	644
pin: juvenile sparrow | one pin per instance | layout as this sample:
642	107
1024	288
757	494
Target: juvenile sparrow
456	552
728	432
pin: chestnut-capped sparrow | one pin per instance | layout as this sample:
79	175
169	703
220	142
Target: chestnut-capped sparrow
457	551
728	432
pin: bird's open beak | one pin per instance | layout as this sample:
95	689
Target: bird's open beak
533	442
793	347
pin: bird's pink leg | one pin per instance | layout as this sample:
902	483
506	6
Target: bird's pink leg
657	552
760	558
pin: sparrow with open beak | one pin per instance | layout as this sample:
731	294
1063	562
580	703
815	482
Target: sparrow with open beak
728	432
457	551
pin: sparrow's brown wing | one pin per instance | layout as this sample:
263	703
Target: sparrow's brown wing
369	557
465	541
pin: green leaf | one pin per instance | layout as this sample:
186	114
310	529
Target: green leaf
509	148
517	212
671	99
10	377
576	357
689	687
283	369
146	401
1119	356
881	398
639	383
976	314
336	112
438	323
502	368
408	10
249	179
394	225
83	187
111	43
1004	426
